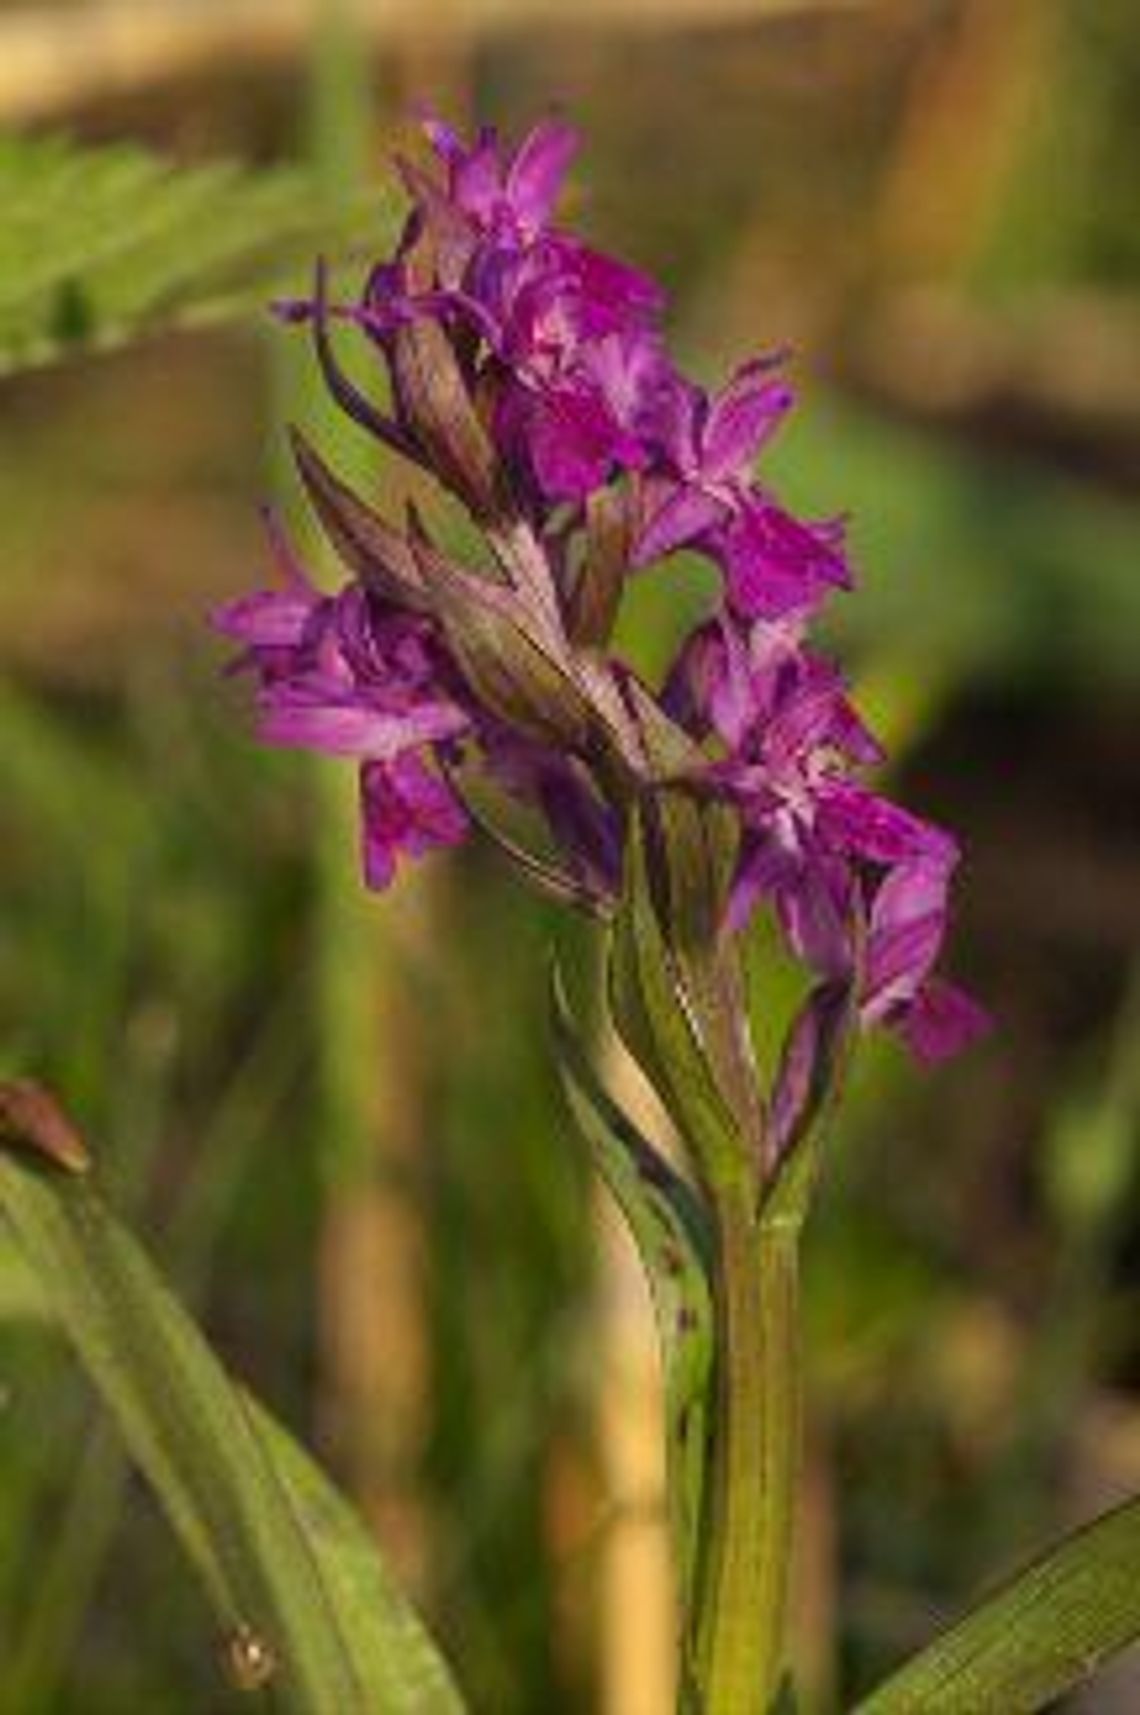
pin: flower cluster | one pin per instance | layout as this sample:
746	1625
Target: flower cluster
528	375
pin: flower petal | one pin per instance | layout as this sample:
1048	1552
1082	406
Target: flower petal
941	1021
536	173
266	619
687	514
809	1064
343	727
908	920
776	565
405	807
743	417
860	822
815	913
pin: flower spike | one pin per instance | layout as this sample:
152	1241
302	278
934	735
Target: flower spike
529	376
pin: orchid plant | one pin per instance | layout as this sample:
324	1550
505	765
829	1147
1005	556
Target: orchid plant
527	378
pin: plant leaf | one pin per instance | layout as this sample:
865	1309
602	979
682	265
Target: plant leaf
367	544
518	671
400	1663
808	1086
99	244
671	1230
293	1577
21	1294
597	592
1047	1629
696	849
655	1018
444	417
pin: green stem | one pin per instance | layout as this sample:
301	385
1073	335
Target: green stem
740	1636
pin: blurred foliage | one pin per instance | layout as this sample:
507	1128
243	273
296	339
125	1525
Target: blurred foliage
102	245
1071	212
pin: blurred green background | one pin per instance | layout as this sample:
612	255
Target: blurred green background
334	1116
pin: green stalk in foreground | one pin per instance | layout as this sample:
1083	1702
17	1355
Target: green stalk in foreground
676	996
753	1468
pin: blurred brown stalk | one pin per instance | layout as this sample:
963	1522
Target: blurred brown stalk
55	58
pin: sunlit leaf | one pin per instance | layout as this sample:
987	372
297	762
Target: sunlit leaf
99	245
1045	1631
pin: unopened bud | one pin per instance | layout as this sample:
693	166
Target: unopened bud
441	413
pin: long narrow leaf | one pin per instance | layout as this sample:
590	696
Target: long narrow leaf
297	1585
395	1657
1046	1630
671	1232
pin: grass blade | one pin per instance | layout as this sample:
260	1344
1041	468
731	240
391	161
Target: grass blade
297	1584
1042	1633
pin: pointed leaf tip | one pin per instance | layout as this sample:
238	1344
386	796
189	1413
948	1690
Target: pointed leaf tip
32	1122
367	544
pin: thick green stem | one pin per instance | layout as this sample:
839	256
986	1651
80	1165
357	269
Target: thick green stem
740	1635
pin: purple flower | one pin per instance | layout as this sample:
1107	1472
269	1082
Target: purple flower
941	1021
529	376
546	305
840	865
271	624
782	710
708	445
907	927
342	674
703	498
580	362
776	565
347	675
496	190
405	808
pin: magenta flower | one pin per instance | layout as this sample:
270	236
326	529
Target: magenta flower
349	676
708	446
407	808
529	375
515	194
